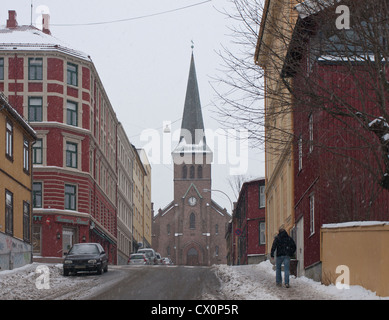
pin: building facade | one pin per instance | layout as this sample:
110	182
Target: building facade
58	90
191	229
271	49
248	225
126	158
15	187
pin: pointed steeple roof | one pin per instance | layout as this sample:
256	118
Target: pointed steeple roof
192	126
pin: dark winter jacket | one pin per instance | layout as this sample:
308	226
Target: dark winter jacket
284	245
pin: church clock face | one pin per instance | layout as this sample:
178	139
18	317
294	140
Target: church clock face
192	201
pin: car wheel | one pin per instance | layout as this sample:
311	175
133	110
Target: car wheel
106	268
100	270
65	273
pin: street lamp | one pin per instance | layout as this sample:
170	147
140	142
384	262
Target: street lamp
209	190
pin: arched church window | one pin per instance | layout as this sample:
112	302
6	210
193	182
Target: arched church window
184	172
192	221
192	172
200	172
216	251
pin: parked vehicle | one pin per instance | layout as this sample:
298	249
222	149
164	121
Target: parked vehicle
138	258
167	261
150	254
85	257
159	259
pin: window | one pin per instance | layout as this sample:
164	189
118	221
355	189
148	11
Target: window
35	110
300	151
184	172
216	251
70	197
35	69
192	172
9	212
200	172
216	229
9	140
71	113
312	214
72	74
192	221
1	68
262	198
37	152
262	237
310	133
26	156
37	194
71	155
26	221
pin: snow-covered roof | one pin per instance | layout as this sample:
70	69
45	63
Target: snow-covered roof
29	38
309	7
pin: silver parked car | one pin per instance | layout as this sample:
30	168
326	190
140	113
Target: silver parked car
138	258
150	254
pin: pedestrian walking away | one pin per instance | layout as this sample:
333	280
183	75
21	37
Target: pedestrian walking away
284	247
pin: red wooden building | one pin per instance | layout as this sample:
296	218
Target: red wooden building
248	242
58	90
335	158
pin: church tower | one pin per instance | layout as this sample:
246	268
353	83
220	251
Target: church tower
190	230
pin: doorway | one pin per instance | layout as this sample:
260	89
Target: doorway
68	239
192	257
300	247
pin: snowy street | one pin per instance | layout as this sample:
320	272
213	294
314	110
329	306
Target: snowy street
249	282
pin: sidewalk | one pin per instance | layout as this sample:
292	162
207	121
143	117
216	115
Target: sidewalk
257	282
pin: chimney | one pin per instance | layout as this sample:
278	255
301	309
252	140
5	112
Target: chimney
11	22
46	23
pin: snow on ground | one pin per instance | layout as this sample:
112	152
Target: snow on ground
248	282
28	283
257	282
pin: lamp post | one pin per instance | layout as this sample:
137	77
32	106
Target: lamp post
232	220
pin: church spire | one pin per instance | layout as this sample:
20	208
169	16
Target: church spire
192	126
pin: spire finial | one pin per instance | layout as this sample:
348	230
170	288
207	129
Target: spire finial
192	46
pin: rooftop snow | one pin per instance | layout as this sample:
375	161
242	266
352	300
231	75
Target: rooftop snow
29	38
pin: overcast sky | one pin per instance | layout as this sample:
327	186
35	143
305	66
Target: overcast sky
144	62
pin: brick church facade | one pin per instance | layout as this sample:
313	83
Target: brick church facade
191	228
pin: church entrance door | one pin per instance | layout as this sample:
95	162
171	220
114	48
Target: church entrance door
192	257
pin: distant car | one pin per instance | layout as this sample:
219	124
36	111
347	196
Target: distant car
138	258
150	254
85	257
167	261
159	259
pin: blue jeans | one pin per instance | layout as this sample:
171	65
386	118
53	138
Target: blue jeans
279	261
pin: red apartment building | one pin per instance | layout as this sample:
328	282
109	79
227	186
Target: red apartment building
334	163
248	242
58	90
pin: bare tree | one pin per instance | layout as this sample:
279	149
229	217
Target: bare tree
335	73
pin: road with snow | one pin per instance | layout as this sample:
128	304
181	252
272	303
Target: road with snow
252	282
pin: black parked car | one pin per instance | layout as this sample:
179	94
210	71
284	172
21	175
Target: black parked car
85	257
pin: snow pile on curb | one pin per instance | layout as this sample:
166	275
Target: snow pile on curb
257	282
28	283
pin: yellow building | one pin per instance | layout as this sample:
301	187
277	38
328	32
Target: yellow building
142	216
15	187
276	28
